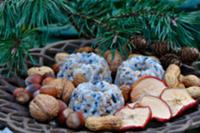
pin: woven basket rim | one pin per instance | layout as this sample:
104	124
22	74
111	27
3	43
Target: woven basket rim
15	116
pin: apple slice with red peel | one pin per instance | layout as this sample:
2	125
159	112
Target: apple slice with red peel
133	105
147	85
136	118
179	100
159	108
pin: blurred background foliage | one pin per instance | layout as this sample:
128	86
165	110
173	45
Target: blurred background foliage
26	24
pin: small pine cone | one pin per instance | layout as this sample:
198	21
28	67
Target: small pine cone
189	55
168	59
139	42
160	48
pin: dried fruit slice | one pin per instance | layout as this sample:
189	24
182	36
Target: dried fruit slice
133	105
160	109
147	85
136	118
178	100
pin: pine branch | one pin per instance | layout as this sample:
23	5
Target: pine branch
14	52
163	21
39	13
87	16
112	23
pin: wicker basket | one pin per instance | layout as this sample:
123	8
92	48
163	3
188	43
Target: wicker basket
17	118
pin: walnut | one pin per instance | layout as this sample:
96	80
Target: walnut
44	108
60	88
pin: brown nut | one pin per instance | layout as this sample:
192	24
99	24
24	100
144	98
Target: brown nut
21	95
53	88
60	88
61	57
172	75
56	68
40	70
114	60
75	120
78	79
194	91
44	108
97	51
62	117
180	85
33	79
62	106
86	49
125	89
103	123
67	90
133	55
190	80
49	90
47	80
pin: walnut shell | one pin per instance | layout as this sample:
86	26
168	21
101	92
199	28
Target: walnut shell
40	70
60	88
44	108
60	57
67	90
78	79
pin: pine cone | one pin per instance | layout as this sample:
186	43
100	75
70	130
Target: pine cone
160	48
189	55
168	59
139	42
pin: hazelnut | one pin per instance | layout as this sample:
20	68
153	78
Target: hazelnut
56	68
62	117
21	95
32	88
33	79
75	120
44	108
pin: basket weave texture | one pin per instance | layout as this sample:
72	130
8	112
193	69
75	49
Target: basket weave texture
17	118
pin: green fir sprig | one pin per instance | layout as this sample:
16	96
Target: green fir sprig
111	22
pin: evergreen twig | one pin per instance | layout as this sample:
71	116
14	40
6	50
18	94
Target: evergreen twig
112	23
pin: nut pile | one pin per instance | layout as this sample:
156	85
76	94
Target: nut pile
81	95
